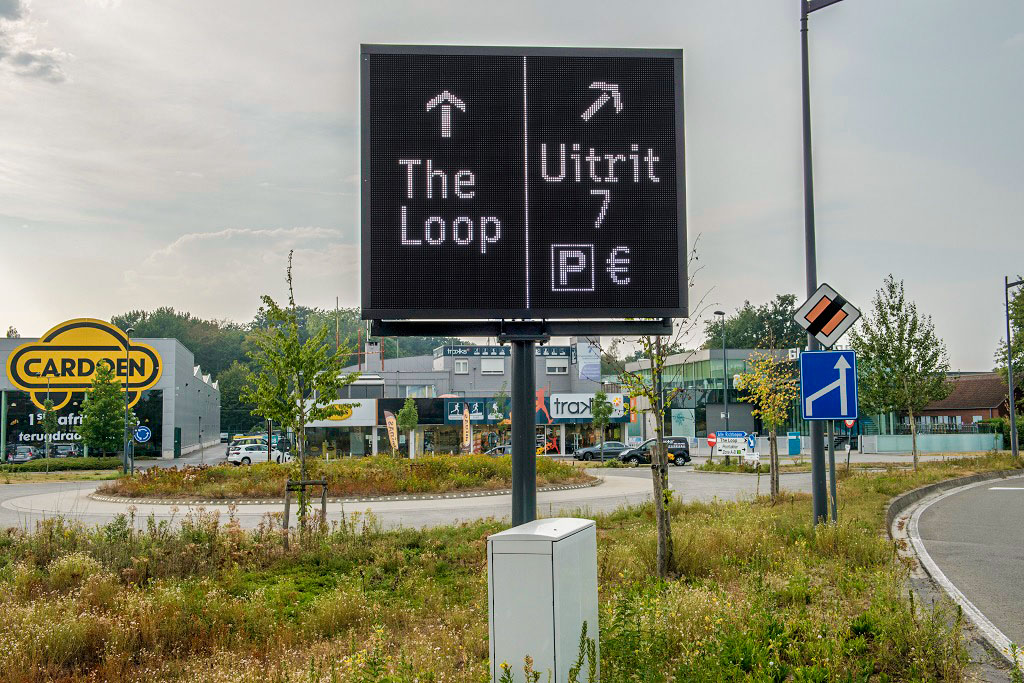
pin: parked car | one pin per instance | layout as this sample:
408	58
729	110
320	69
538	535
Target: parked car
65	450
678	452
21	454
242	440
612	449
255	452
504	449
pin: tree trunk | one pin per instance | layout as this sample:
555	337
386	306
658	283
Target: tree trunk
773	460
659	479
913	436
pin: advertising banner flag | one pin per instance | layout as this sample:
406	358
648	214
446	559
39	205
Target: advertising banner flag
467	430
392	423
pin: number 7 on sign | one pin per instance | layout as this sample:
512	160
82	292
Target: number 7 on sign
604	205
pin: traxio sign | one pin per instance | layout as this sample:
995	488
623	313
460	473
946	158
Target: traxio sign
522	183
64	360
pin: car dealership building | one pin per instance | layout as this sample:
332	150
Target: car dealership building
168	392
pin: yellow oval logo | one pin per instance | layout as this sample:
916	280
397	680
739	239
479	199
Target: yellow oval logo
340	411
64	360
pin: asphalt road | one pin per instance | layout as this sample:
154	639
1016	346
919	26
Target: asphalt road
976	537
21	505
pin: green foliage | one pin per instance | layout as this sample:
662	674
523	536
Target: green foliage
295	380
408	417
216	344
762	596
50	424
901	362
601	414
103	413
236	413
752	326
64	464
771	386
745	468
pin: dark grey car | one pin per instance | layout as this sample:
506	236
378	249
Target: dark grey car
612	449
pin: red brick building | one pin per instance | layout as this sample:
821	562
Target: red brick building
974	397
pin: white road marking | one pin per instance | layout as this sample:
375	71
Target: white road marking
990	630
1006	488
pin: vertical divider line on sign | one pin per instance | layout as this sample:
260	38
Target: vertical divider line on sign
526	187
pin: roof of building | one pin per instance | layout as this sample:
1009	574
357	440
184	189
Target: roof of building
982	390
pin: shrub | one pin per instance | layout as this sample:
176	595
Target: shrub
64	464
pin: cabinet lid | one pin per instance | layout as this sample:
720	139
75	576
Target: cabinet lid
549	530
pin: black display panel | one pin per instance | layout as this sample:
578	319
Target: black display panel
533	183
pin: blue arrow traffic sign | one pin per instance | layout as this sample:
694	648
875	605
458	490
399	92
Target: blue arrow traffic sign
828	385
142	434
751	441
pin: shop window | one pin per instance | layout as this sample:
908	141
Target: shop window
492	366
557	366
461	366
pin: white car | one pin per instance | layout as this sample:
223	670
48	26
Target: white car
255	452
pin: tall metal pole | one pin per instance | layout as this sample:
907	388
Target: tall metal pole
127	373
725	385
524	433
832	469
1014	446
818	489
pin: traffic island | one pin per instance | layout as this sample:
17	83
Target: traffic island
369	479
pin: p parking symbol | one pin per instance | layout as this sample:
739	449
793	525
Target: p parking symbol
572	267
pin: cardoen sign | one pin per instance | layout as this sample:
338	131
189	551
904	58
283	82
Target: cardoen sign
64	360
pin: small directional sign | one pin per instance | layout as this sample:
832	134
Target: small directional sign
142	434
827	316
828	385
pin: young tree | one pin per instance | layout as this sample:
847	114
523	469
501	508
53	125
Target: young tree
901	362
646	382
103	426
601	413
294	381
407	418
772	387
49	423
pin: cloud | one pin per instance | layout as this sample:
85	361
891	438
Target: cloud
11	9
1014	42
18	52
222	273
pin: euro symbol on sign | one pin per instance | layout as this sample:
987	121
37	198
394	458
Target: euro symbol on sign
618	265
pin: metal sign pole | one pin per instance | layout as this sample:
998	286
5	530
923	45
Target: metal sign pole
832	468
1014	446
818	490
524	449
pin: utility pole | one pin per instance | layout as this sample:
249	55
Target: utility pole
1014	446
127	463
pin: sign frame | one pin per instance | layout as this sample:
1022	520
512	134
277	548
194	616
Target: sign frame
680	310
804	389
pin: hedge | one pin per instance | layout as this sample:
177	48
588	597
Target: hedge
63	464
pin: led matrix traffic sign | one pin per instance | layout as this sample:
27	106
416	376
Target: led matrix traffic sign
528	183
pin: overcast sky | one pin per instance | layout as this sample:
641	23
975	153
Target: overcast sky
171	153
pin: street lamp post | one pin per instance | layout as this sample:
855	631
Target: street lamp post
1014	446
725	378
128	464
818	490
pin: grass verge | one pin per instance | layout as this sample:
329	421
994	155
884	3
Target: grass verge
759	595
379	475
